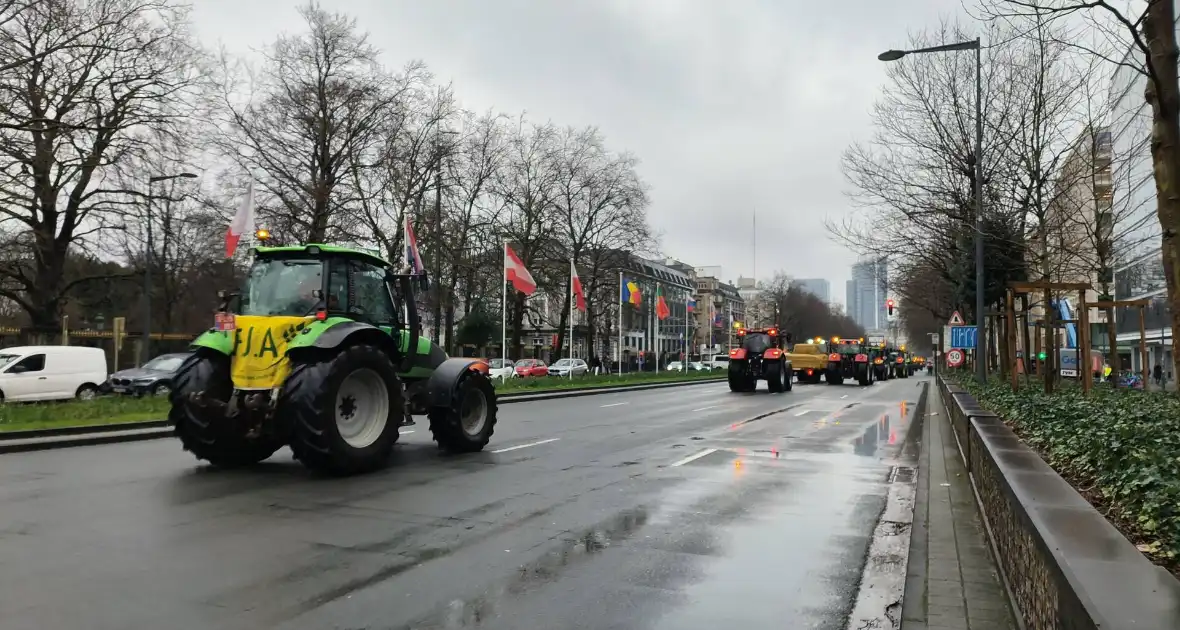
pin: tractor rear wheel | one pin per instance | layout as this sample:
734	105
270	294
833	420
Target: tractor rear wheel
345	407
738	380
466	426
863	377
205	431
774	377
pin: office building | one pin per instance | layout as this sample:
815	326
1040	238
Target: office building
818	287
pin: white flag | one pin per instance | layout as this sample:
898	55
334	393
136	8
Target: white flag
242	223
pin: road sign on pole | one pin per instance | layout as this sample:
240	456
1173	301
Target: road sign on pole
956	319
964	337
954	358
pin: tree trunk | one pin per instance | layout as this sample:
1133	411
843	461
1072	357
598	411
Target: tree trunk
1163	94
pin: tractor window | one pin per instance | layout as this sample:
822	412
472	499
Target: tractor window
371	295
282	287
757	342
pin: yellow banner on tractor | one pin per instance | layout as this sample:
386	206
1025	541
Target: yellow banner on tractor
259	359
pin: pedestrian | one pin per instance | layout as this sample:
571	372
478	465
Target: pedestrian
1157	374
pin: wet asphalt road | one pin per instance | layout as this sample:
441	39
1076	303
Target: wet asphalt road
661	509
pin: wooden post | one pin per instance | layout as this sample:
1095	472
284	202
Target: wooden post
1037	350
1143	346
1010	337
1050	334
1084	344
1026	346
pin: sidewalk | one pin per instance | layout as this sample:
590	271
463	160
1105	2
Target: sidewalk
951	581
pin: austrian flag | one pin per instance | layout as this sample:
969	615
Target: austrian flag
576	287
516	273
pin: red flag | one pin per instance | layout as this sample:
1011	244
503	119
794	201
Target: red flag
577	285
516	272
662	310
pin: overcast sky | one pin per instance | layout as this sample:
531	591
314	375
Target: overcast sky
732	106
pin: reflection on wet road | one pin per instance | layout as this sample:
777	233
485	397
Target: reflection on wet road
683	508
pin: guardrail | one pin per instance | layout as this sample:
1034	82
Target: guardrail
1064	565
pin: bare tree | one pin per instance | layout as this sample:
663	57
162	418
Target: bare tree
312	118
599	207
527	188
800	313
71	115
1152	35
470	221
915	178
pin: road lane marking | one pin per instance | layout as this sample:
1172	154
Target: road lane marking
405	432
693	458
611	405
844	396
801	413
704	408
520	446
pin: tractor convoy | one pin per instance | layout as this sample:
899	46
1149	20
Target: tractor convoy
321	351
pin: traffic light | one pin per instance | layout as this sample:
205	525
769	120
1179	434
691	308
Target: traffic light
1040	356
889	306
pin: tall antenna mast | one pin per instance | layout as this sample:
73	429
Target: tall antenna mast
754	244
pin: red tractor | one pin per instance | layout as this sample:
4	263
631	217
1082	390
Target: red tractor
761	356
849	359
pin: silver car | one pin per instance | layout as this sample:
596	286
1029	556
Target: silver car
569	367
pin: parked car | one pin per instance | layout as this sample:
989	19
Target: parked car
693	366
154	377
531	367
502	369
719	362
565	367
30	373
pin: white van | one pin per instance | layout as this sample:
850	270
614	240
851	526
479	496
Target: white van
29	373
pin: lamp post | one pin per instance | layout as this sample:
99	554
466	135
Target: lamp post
145	349
436	288
894	55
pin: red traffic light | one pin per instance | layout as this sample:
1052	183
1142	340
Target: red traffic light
889	305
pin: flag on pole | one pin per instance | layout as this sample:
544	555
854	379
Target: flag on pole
630	294
413	258
576	284
691	305
242	223
516	273
662	310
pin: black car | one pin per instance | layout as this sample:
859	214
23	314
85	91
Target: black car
154	377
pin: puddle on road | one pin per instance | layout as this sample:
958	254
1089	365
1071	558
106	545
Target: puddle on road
874	437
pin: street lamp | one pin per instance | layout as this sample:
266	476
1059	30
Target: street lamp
145	349
894	55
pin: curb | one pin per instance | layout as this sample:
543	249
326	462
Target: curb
881	595
68	437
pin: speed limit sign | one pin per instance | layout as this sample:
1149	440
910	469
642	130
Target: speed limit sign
954	358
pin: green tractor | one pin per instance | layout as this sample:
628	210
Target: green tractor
321	351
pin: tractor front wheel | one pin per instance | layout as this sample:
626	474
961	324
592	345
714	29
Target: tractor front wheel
204	430
345	408
467	424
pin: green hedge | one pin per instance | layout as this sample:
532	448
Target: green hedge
1119	446
116	409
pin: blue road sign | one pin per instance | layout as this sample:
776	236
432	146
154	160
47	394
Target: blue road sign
963	337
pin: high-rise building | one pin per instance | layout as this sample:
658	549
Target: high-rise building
850	298
818	287
870	288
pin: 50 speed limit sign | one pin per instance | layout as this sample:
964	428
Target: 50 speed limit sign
954	358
